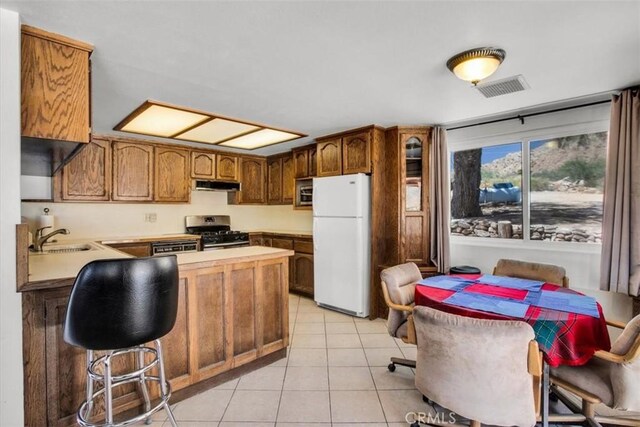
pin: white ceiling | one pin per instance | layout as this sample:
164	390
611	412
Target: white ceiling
321	67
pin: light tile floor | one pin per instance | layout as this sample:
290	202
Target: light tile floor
335	374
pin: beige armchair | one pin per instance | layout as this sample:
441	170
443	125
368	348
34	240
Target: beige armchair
610	377
485	370
532	270
398	289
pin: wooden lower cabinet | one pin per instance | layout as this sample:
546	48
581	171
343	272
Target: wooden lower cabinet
301	265
228	315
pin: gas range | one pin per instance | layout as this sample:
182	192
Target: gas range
215	231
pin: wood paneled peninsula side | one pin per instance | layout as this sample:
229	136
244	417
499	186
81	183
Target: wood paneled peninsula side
232	318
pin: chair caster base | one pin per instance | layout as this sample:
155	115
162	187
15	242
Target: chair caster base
391	367
425	399
148	421
415	424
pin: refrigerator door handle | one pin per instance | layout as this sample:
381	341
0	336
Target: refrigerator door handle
315	232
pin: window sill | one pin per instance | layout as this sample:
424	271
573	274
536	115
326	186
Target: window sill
585	248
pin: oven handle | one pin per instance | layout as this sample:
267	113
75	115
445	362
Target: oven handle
222	245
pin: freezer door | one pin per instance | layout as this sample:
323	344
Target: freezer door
339	196
341	274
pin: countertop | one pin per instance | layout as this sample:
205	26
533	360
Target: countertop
66	266
288	233
57	270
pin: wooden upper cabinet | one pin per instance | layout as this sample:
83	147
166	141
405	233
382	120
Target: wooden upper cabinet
133	166
356	153
288	179
55	98
253	177
301	163
274	180
88	175
329	159
203	165
171	175
313	161
227	167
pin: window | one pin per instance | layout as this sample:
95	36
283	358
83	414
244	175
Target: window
562	194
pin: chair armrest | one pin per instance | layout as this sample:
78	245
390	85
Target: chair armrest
632	354
534	360
393	305
616	324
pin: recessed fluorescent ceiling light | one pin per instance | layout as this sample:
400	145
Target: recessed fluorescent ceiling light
259	139
169	121
158	120
217	130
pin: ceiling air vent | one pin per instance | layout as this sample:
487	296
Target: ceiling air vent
503	86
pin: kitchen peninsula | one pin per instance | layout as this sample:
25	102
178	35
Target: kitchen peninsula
232	318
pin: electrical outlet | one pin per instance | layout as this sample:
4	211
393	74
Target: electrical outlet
150	217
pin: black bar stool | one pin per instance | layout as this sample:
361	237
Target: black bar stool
116	306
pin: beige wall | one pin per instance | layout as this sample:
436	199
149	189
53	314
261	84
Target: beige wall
127	219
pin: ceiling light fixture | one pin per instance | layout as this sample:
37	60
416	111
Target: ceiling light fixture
476	64
169	121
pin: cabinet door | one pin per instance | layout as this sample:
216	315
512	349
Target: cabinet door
288	180
301	163
88	175
208	319
203	165
172	175
274	181
272	291
255	240
356	155
281	243
313	161
253	177
303	273
55	90
227	167
132	172
329	157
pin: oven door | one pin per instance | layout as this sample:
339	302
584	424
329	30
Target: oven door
164	248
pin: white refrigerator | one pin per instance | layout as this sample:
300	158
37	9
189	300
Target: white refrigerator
342	243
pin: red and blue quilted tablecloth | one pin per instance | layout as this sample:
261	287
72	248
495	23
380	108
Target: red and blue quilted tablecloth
564	337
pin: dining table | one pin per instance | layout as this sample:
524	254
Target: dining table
565	337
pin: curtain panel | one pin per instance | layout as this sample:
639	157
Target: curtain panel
439	201
620	263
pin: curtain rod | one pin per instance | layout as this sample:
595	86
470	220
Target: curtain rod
521	117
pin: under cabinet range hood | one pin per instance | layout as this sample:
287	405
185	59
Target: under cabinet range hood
205	185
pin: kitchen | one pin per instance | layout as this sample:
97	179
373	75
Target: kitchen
264	232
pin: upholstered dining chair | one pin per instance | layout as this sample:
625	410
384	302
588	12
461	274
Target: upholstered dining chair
531	270
610	377
485	370
398	289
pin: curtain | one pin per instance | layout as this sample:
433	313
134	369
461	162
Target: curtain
620	263
439	201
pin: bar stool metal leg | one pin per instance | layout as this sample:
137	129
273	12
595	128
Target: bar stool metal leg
108	398
164	385
87	414
142	382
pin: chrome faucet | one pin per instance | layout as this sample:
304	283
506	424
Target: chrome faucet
37	246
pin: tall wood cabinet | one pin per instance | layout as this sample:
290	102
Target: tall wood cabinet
55	86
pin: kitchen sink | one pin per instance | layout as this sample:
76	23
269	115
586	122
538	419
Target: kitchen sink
63	249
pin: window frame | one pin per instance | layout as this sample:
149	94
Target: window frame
524	137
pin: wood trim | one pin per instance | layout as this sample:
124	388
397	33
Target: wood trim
616	324
585	395
210	116
22	255
56	38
